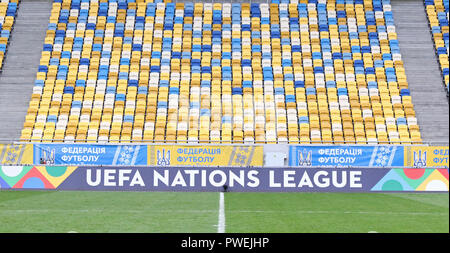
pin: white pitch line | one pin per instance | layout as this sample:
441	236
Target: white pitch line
221	225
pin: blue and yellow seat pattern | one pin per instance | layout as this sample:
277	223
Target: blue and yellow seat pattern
8	9
437	12
289	72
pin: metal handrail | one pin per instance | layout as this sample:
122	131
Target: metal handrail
200	142
209	142
233	166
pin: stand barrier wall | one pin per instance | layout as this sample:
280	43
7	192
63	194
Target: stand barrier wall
252	168
267	155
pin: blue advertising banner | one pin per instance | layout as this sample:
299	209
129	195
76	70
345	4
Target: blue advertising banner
90	154
346	156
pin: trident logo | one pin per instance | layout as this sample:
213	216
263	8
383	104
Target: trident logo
163	158
305	158
48	156
420	160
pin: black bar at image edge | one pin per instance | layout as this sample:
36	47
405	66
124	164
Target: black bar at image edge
246	242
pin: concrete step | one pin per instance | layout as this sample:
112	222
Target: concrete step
21	64
422	69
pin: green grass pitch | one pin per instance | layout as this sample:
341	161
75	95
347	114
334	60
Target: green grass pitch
177	212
